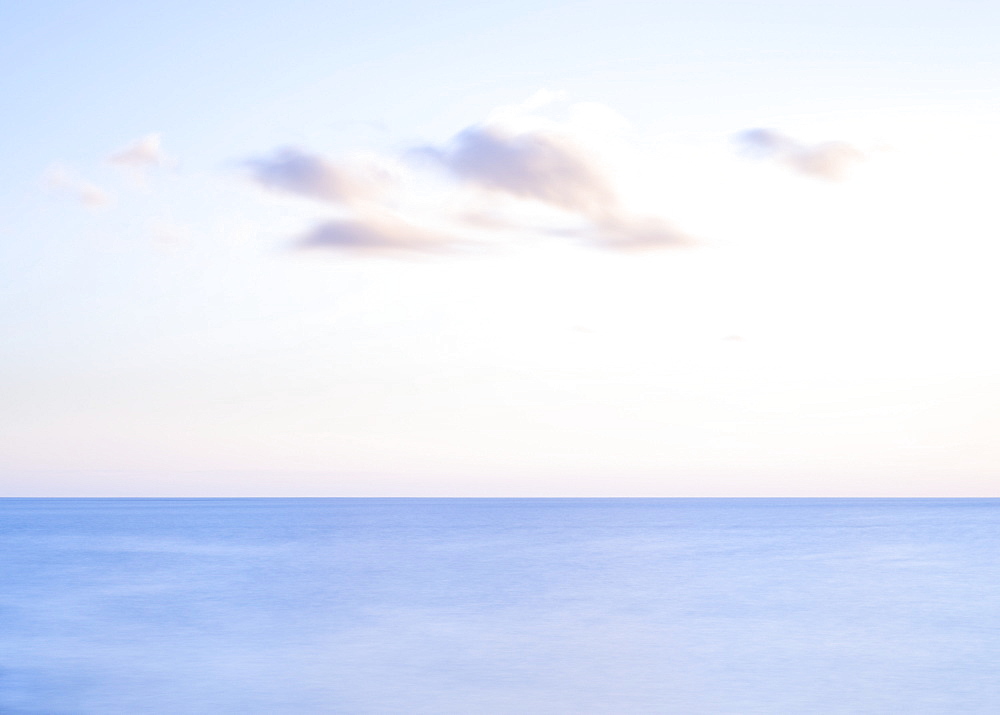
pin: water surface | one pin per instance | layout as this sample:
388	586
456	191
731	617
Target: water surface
688	606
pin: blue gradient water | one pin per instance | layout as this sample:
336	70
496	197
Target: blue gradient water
499	606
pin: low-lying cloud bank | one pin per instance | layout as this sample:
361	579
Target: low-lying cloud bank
517	176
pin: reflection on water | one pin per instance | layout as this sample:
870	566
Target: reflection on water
441	606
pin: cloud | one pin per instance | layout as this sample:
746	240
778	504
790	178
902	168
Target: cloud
141	154
558	170
136	157
826	160
294	171
93	196
640	232
376	233
516	174
538	165
88	194
166	233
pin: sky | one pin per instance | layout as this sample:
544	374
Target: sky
499	249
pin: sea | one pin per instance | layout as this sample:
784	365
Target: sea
499	606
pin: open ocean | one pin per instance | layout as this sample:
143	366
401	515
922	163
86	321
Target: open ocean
472	606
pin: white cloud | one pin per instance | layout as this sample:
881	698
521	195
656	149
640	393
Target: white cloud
143	153
92	195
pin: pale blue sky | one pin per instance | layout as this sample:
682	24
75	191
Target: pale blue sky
168	338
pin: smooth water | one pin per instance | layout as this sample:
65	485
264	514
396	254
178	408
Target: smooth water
245	606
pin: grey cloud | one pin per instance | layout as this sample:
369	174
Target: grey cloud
376	233
294	171
550	168
538	165
140	154
826	160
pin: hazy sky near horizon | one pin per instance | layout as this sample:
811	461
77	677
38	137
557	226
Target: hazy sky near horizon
440	248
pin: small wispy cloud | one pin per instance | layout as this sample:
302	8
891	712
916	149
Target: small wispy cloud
825	160
93	195
143	153
136	158
631	233
62	180
168	233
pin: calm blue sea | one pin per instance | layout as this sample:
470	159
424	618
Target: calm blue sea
513	606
